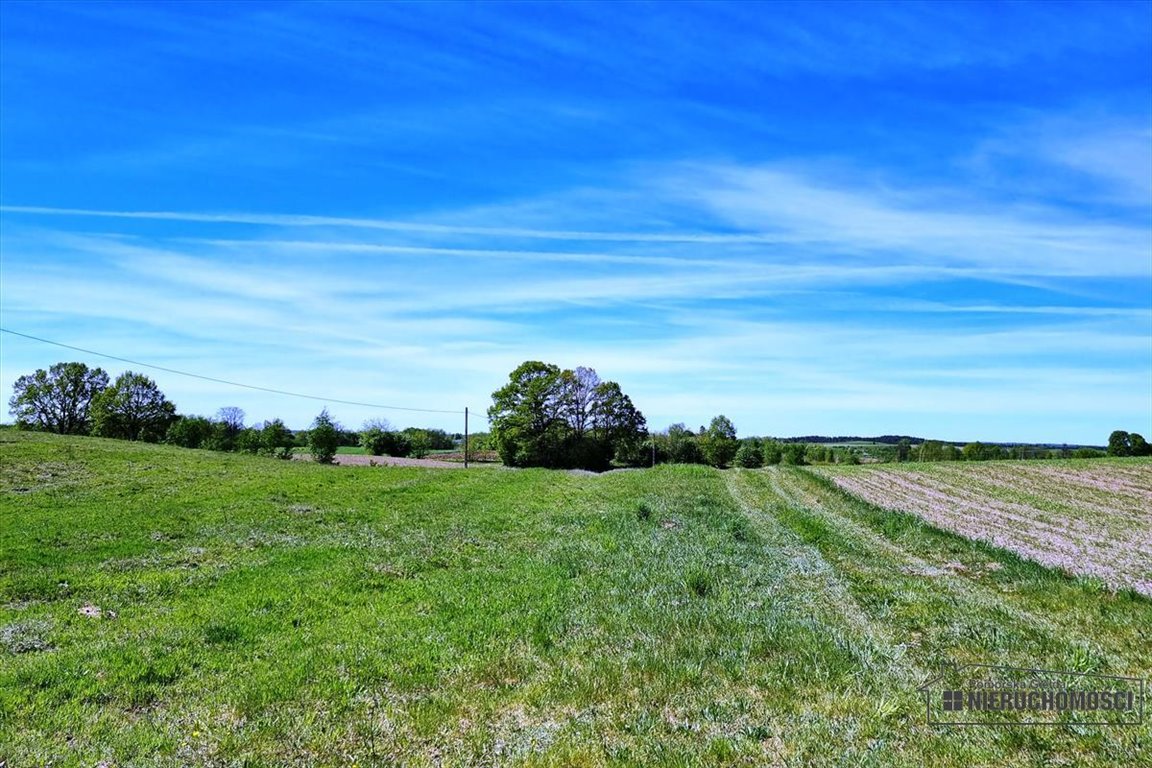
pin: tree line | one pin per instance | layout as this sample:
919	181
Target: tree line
544	416
548	417
73	399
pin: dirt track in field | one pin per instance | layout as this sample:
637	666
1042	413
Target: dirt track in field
395	461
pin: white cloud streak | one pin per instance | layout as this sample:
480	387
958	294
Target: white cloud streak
788	217
293	220
771	314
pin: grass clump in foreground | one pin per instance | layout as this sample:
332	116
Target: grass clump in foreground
171	607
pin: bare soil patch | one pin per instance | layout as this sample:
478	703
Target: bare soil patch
391	461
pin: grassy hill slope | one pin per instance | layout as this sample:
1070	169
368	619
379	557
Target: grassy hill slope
168	607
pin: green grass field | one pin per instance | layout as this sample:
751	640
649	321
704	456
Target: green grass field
166	607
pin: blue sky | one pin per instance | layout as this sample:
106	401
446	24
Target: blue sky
930	219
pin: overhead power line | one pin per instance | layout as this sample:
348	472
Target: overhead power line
229	383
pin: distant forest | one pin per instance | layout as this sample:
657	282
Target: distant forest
896	439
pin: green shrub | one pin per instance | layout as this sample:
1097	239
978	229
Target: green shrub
189	432
249	440
377	438
794	453
372	440
1088	453
323	438
749	454
277	439
437	439
419	444
220	438
718	443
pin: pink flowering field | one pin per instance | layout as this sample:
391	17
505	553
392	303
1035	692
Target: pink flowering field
1085	517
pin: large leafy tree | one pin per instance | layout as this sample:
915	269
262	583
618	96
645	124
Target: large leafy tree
617	425
528	425
548	417
133	408
58	399
1119	443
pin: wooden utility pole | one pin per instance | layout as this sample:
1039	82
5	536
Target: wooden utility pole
465	437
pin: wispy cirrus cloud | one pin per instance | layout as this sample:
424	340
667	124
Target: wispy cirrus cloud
759	206
793	282
915	217
1085	156
1030	241
1121	156
298	220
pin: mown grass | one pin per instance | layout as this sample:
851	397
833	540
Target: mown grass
256	612
936	598
1085	517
